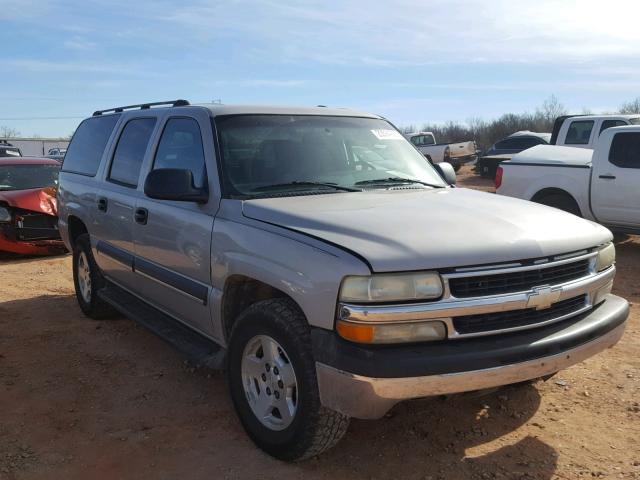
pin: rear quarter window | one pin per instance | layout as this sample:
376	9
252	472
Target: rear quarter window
88	144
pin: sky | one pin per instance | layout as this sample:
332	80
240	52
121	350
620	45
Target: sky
413	61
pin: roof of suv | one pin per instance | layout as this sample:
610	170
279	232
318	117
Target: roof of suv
217	109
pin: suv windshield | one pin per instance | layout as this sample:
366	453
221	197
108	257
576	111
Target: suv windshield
298	153
24	177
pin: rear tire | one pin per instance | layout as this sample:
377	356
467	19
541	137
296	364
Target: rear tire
274	334
87	280
561	201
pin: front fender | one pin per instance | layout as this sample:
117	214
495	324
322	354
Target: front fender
307	270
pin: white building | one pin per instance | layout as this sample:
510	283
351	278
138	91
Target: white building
36	147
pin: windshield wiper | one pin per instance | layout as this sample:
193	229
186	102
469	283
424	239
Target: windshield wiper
396	180
297	183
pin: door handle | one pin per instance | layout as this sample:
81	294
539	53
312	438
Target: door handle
141	216
607	177
103	204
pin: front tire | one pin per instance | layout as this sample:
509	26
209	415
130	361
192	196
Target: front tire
87	280
273	384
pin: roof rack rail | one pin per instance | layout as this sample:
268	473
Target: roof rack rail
143	106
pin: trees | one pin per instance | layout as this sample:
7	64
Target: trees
631	107
486	133
8	132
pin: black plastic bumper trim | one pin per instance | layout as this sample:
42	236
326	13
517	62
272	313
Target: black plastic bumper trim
453	356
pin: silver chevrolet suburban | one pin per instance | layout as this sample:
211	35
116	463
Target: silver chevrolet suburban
316	255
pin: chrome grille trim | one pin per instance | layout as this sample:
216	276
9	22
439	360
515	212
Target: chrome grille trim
448	306
523	268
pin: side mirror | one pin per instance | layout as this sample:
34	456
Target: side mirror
447	172
173	184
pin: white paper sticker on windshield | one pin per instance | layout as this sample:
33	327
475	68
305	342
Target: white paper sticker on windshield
387	134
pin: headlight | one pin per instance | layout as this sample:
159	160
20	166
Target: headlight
606	257
5	215
391	333
391	287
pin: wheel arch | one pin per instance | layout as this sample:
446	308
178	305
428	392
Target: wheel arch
240	292
76	228
549	191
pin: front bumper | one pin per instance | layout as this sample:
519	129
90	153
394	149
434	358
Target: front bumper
366	381
33	247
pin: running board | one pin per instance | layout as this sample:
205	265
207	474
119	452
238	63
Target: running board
199	349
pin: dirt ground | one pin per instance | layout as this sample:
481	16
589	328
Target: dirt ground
81	399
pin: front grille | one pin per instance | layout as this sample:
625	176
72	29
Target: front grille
485	285
487	322
37	220
37	226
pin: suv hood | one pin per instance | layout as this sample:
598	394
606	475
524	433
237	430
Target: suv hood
404	230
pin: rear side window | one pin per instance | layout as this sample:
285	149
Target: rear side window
531	142
625	150
181	147
579	132
611	123
516	143
88	143
129	154
422	140
503	145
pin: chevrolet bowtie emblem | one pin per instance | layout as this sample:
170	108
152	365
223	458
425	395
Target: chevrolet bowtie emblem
543	297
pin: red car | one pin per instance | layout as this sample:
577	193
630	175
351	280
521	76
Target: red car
28	209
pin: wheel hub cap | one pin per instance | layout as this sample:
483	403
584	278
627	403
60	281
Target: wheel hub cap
269	382
84	277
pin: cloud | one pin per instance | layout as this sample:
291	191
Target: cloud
17	10
273	83
50	66
79	44
414	32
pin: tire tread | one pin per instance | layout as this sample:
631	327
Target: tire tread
97	309
327	426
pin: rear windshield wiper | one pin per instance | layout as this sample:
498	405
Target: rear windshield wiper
396	180
277	186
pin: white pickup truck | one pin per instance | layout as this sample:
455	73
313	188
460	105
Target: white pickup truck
580	131
600	184
583	131
457	154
